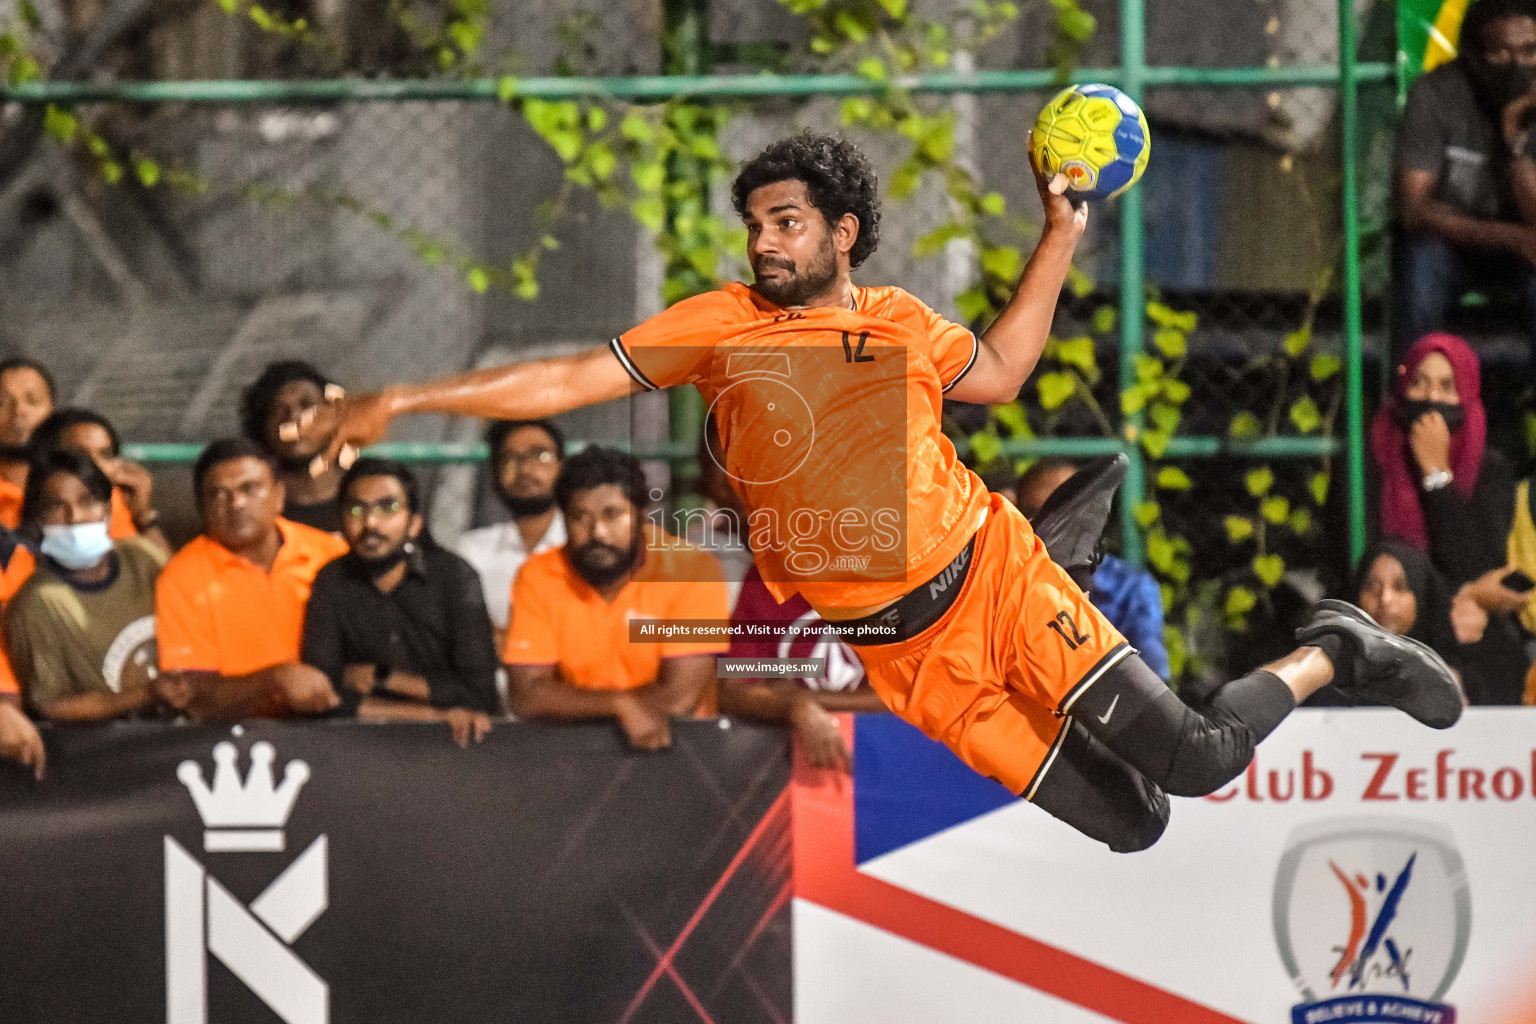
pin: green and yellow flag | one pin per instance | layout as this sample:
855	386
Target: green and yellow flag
1427	31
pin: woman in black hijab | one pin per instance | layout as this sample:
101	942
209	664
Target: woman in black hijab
1399	588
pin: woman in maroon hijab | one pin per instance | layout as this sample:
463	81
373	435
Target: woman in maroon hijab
1442	489
1445	492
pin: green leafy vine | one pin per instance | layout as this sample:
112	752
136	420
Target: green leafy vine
661	161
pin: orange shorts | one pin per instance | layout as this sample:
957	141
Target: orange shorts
995	678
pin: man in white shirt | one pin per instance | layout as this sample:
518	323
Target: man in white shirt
526	456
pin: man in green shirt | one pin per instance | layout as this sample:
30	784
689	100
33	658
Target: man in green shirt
81	631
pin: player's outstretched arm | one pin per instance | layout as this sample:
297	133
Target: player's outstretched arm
521	391
1011	347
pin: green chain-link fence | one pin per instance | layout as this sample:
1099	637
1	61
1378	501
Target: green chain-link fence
383	228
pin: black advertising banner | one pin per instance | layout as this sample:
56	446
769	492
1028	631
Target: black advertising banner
354	873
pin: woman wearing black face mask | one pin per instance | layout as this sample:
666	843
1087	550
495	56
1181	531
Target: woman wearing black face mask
1443	491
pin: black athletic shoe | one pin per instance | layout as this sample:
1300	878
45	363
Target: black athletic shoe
1385	668
1072	520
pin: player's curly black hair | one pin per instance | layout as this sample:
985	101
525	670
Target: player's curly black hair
837	176
1484	13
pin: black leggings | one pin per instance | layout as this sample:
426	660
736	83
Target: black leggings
1130	741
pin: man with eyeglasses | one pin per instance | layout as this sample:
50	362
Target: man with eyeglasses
398	624
525	461
229	606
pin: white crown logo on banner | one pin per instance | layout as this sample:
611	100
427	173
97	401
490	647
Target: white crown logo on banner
248	818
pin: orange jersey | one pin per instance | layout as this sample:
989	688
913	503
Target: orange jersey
558	619
120	525
16	570
10	504
217	612
829	422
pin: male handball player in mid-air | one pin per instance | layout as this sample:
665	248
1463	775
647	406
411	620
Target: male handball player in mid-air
828	394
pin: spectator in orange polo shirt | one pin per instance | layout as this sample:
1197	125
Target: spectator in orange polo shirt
133	511
26	399
230	605
19	738
17	563
568	651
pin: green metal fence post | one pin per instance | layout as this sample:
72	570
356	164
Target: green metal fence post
1349	117
1132	73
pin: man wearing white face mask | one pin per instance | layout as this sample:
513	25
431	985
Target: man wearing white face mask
81	631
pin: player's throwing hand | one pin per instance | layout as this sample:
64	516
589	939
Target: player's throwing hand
1061	212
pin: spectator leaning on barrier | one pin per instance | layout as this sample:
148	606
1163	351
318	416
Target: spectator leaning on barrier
1440	488
1466	177
17	564
230	605
569	651
81	630
398	624
286	411
1128	597
525	461
26	399
133	488
806	704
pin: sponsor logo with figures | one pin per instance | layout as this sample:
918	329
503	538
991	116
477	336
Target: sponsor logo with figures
1372	918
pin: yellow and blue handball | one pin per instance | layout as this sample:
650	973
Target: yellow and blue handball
1097	136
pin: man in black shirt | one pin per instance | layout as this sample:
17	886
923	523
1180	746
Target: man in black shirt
286	411
398	624
1466	175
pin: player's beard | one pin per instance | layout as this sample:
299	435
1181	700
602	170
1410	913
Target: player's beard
602	572
801	286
